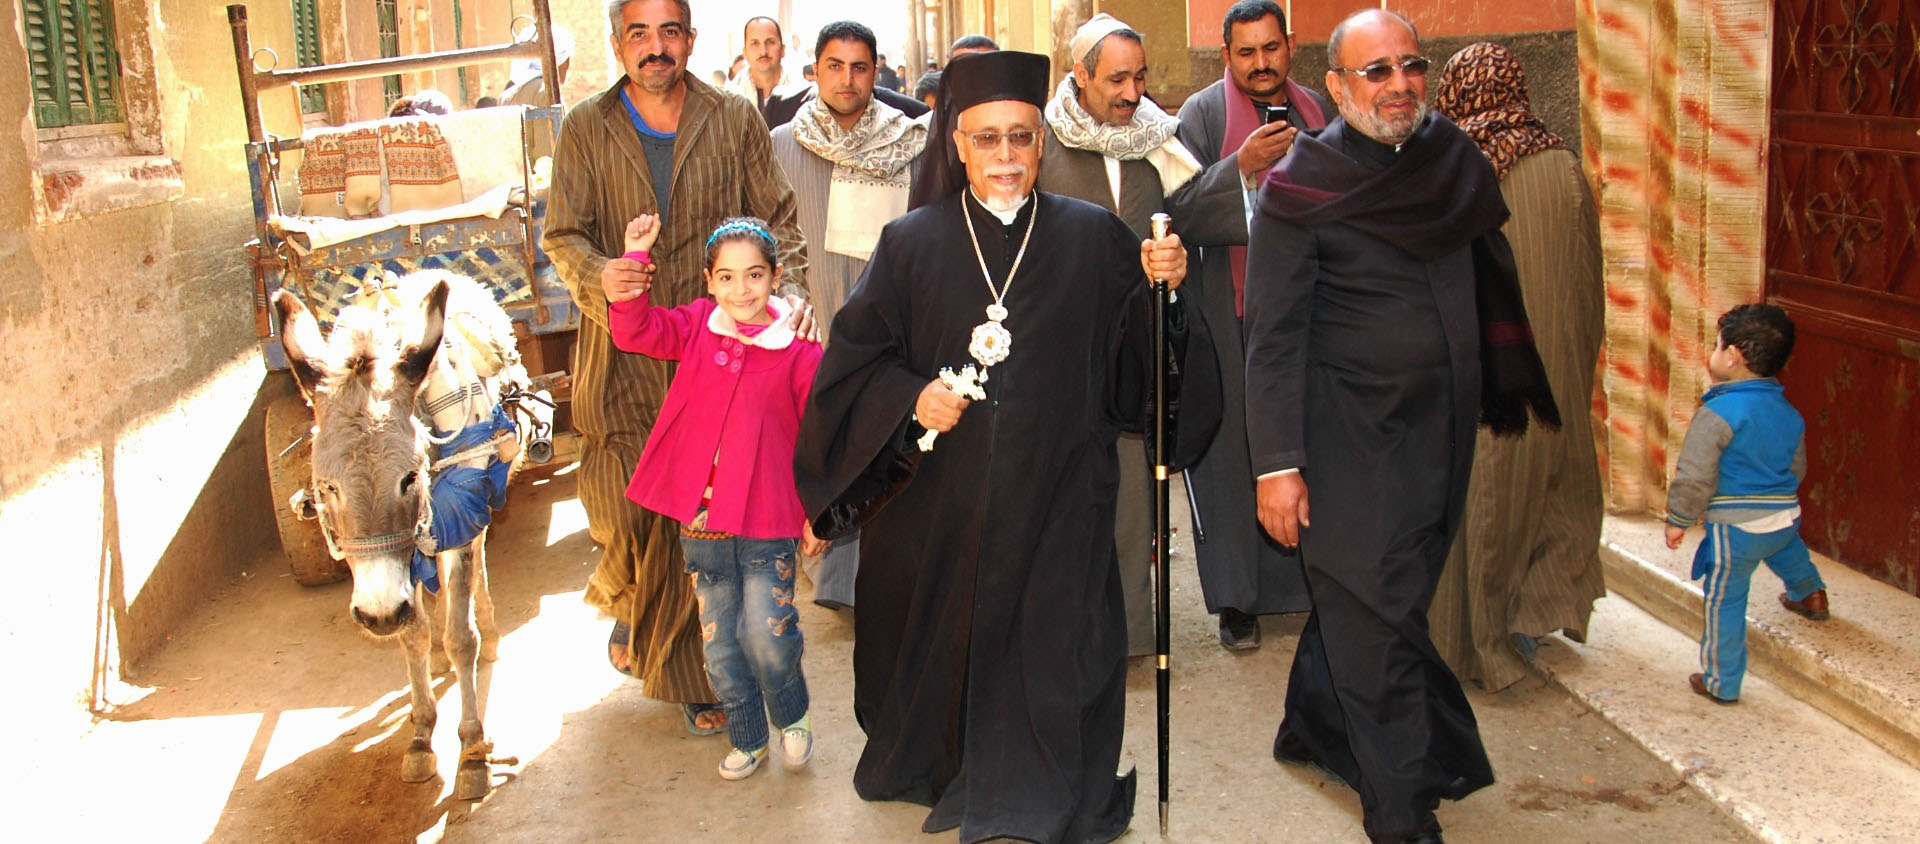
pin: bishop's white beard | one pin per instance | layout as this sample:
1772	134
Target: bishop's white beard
1004	200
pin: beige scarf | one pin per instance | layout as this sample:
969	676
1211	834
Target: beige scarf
1149	136
870	170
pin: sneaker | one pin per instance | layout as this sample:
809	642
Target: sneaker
741	764
796	743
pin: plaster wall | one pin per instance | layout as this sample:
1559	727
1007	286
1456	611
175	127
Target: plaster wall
130	383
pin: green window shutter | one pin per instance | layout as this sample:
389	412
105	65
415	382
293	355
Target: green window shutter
388	19
306	48
73	73
460	23
49	107
74	69
102	61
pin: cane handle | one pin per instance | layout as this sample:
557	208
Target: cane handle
1162	224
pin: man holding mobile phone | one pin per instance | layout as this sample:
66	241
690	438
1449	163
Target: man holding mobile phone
1239	128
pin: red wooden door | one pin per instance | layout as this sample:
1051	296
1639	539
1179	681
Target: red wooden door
1843	256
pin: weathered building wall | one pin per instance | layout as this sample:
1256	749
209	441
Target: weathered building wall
130	385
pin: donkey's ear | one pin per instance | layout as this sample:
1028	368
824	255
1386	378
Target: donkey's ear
422	335
300	337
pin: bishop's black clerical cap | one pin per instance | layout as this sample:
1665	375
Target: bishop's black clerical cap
968	81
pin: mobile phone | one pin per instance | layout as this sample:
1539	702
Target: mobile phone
1277	113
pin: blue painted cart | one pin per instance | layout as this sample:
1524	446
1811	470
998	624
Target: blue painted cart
498	248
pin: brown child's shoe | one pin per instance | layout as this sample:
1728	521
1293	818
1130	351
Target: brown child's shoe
1698	682
1813	606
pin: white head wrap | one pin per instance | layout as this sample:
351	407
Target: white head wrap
1090	33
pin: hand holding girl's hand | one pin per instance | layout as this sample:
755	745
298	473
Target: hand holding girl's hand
642	231
811	545
625	279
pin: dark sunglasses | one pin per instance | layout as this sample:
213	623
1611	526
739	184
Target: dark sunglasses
1379	72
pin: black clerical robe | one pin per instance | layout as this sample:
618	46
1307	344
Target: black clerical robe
1363	371
990	646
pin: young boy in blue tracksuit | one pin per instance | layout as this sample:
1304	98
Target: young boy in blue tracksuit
1739	473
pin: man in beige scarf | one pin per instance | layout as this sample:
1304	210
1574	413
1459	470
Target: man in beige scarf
1107	144
847	155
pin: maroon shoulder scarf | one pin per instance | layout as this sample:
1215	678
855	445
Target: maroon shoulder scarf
1241	121
1439	196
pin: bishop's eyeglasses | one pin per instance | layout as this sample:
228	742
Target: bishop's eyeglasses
1382	71
1019	139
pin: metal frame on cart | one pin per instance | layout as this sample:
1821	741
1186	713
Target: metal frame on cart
480	241
273	261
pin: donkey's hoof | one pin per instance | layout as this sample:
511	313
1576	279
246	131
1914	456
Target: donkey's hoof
472	781
418	766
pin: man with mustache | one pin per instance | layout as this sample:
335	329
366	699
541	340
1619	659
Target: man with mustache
990	646
1239	127
849	157
1383	319
1107	144
659	141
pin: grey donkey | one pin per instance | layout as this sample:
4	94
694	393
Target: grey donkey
371	381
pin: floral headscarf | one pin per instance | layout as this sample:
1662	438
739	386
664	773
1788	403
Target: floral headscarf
1484	91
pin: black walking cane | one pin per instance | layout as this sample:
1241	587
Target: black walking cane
1162	534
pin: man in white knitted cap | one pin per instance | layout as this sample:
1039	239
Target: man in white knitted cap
1111	146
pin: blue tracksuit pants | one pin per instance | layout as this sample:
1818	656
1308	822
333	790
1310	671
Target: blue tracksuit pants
1728	557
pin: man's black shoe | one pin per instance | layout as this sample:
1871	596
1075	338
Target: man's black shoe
1432	837
1238	631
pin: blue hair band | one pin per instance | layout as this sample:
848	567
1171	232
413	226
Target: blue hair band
747	226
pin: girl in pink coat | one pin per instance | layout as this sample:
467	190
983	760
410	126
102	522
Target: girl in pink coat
720	462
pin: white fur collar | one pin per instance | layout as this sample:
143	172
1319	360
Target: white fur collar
775	336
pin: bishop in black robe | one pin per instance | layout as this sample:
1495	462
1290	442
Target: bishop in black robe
990	645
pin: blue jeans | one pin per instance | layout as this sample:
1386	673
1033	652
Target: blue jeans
1728	557
750	631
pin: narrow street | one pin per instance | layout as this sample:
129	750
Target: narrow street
272	718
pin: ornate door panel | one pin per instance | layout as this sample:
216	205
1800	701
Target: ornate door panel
1843	257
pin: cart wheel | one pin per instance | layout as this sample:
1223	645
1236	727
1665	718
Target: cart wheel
289	419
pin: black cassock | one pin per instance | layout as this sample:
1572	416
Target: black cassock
1364	371
990	646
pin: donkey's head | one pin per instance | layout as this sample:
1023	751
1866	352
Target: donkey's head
369	453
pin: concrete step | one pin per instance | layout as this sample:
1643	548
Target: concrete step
1785	770
1861	667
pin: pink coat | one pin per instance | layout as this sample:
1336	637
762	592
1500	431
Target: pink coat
732	414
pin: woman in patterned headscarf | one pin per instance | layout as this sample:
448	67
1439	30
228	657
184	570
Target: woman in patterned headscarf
1484	91
1527	562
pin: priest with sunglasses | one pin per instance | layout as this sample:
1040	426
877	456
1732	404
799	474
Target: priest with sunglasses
1383	321
964	421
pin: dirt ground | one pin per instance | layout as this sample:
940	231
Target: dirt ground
270	717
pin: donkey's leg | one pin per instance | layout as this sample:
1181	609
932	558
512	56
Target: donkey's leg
473	778
483	602
438	608
416	638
